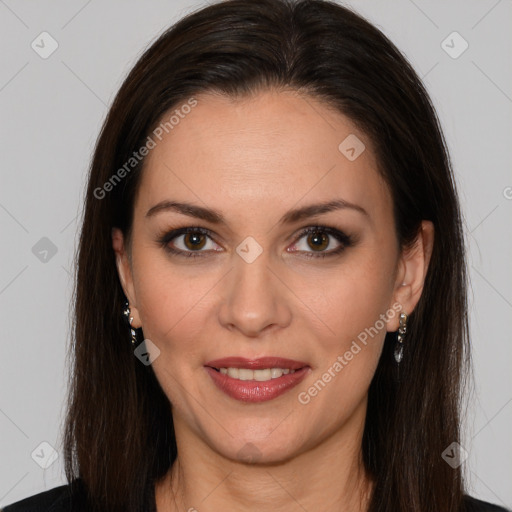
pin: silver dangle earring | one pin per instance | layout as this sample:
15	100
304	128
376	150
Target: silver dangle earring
402	329
129	319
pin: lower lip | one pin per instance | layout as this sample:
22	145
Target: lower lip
257	391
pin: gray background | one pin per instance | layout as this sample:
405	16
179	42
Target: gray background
51	112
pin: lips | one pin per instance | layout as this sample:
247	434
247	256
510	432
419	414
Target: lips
254	390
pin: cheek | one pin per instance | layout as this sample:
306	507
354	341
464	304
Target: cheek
351	298
174	302
354	307
347	358
175	309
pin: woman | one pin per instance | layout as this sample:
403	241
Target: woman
271	284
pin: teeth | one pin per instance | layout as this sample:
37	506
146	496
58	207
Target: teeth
259	375
276	372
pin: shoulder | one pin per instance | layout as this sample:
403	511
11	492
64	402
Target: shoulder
473	505
58	499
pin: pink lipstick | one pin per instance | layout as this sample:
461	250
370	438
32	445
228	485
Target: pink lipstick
256	380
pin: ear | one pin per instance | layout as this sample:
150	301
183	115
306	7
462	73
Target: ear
124	271
411	272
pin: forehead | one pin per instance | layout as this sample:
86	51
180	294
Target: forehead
262	153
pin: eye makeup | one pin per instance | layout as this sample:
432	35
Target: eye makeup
313	233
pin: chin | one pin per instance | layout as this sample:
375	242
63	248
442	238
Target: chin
260	451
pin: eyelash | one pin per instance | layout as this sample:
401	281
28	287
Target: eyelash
344	239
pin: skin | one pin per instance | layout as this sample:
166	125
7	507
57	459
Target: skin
253	159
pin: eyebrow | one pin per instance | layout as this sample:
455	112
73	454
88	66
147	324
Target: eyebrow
215	217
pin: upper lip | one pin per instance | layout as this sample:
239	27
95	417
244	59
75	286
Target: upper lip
256	364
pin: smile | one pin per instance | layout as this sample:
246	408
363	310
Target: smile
256	380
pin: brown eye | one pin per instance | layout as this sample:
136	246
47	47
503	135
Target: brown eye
194	241
189	242
318	240
321	241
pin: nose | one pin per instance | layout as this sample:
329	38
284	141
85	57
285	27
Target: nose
256	298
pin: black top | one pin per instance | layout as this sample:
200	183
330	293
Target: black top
62	499
66	498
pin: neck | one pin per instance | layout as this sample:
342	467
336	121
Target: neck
328	476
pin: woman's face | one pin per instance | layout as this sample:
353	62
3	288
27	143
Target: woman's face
252	285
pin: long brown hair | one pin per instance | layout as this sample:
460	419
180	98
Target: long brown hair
119	436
